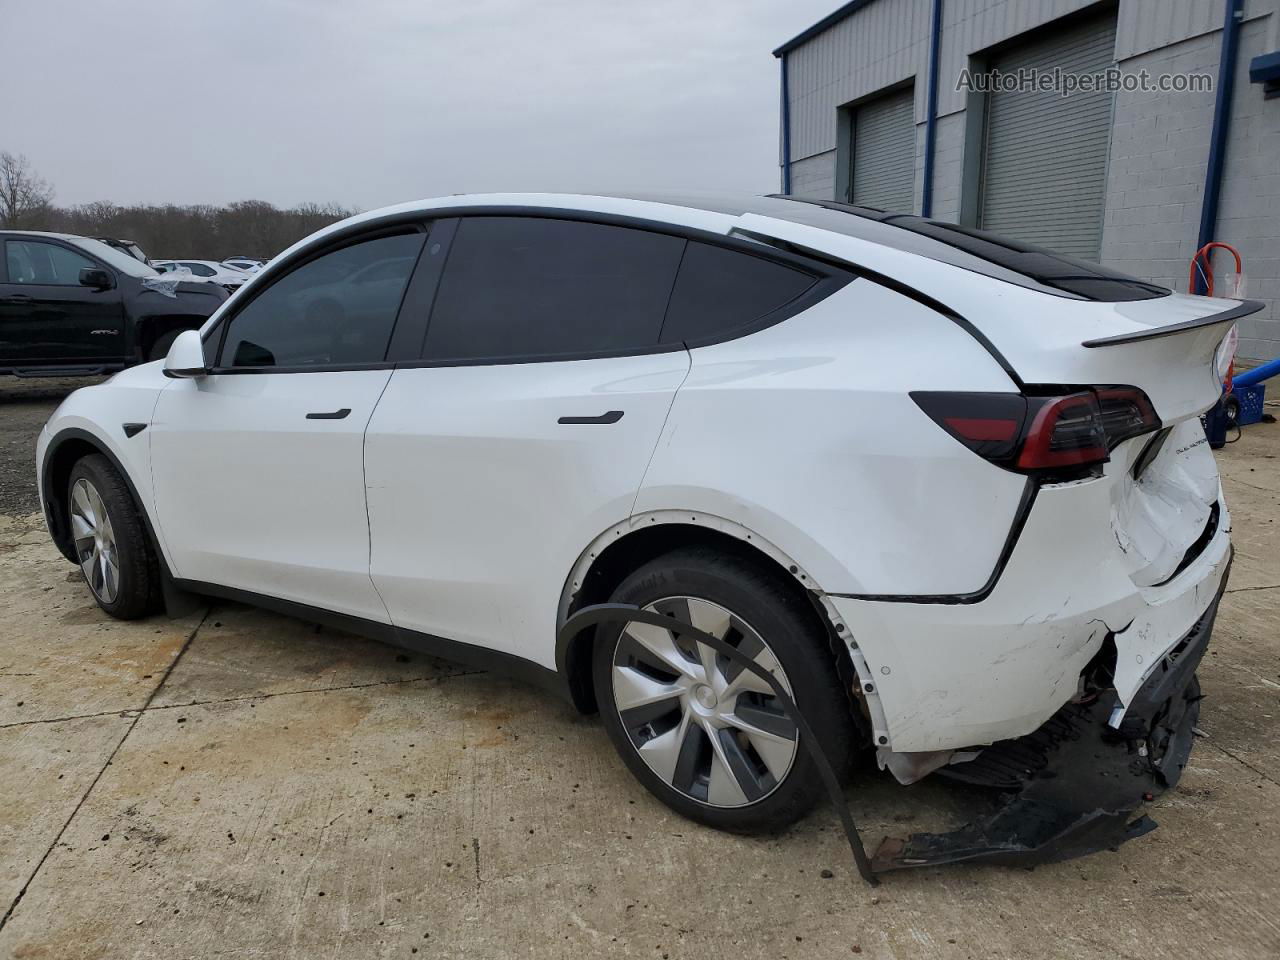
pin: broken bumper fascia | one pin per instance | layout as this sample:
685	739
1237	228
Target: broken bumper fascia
950	675
1094	775
1078	801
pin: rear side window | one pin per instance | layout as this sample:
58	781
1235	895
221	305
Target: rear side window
719	291
528	287
336	309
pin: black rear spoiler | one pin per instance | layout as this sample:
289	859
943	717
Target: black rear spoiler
1245	308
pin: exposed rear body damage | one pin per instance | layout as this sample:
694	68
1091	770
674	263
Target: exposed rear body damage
1080	781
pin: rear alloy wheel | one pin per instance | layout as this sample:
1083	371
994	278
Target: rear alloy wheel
702	734
705	726
111	544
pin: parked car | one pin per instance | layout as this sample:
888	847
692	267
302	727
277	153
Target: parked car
73	305
249	265
210	270
940	486
125	246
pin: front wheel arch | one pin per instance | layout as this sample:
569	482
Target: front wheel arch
65	450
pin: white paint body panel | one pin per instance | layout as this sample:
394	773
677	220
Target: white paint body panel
253	495
480	501
452	493
803	434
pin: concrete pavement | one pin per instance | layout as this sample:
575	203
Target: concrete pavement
238	784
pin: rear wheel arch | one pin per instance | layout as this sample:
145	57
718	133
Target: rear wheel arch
626	547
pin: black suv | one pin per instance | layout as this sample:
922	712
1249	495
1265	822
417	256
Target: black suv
72	305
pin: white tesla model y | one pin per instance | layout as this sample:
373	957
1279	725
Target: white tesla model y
942	486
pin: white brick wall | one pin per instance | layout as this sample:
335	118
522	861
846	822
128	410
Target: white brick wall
1155	183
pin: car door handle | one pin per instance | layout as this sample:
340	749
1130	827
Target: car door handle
335	415
613	416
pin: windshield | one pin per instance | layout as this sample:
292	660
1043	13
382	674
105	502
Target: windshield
117	258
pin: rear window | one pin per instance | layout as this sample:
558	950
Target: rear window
719	291
983	252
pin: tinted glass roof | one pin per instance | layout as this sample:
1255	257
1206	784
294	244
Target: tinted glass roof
977	250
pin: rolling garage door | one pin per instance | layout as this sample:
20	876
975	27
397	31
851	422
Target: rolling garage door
884	153
1045	162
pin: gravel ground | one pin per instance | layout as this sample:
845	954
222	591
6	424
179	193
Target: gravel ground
25	405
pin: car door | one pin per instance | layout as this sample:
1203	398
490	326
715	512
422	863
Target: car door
47	317
258	467
525	430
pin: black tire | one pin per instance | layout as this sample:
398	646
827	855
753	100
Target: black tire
138	591
160	349
789	626
1231	407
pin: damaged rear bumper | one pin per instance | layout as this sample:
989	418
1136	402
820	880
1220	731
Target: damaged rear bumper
1084	774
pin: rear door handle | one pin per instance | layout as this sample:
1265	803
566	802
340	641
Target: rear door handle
335	415
613	416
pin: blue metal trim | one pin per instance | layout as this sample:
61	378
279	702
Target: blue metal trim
931	119
1221	119
1265	69
829	20
786	129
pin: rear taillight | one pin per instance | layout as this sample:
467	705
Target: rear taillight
1064	432
1126	412
1035	434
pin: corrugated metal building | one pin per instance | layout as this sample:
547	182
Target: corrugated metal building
874	113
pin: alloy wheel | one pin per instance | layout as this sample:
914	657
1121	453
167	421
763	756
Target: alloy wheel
708	728
95	541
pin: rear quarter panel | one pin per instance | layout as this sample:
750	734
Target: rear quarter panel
805	433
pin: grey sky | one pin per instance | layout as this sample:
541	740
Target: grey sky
369	102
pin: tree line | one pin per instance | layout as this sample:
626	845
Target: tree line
252	228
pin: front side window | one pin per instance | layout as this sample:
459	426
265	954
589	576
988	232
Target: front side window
720	291
199	269
37	262
529	287
336	309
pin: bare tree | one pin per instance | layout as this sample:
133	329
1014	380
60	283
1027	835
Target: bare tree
24	195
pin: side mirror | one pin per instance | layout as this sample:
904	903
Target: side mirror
95	277
186	356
